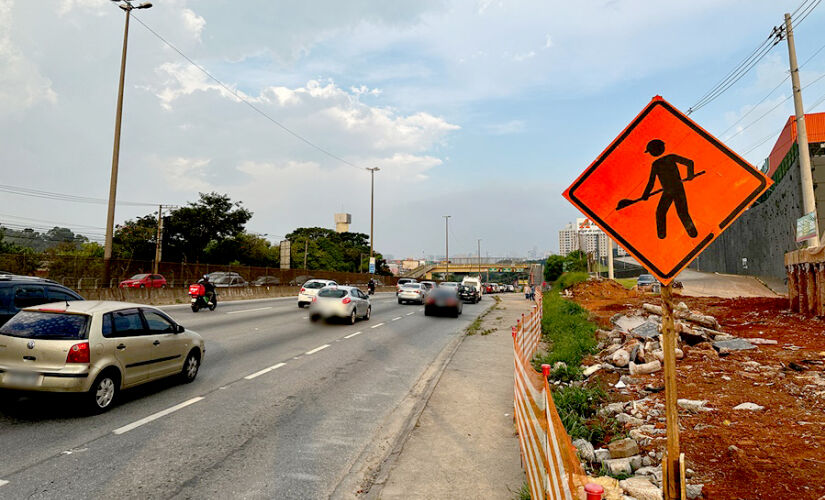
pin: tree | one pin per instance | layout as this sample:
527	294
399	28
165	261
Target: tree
576	261
553	267
329	250
136	239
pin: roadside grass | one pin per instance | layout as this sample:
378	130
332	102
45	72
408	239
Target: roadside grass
475	326
628	283
523	493
567	280
567	330
578	410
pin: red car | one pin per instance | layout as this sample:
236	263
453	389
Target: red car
144	281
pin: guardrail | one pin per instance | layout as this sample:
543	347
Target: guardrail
547	453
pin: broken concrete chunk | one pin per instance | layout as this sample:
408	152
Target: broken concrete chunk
681	306
641	488
627	323
693	405
585	449
694	491
735	344
626	419
621	358
719	337
652	367
758	341
617	466
635	462
612	409
749	406
601	455
590	370
559	365
647	330
623	448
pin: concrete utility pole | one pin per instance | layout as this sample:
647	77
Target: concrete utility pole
447	244
479	259
372	203
306	249
609	258
158	241
806	176
110	216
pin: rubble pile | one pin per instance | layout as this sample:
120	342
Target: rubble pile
633	350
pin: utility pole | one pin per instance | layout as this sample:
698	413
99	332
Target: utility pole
110	216
306	249
609	258
806	177
372	204
479	259
447	243
158	240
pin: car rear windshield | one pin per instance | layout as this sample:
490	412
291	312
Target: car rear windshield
411	285
332	292
315	284
45	325
138	276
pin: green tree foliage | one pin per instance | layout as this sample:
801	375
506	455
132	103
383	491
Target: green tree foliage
327	249
136	239
15	241
553	267
576	261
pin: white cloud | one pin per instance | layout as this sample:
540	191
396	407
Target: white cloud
193	22
524	56
548	41
21	83
185	174
506	128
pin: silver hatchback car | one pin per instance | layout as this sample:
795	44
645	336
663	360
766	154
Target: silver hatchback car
346	302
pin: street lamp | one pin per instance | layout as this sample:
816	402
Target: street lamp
447	243
372	204
127	6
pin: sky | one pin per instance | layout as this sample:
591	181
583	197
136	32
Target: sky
482	110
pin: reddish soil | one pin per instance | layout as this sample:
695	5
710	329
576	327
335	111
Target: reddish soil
780	451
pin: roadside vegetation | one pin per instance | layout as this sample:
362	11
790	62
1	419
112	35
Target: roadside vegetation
570	336
475	326
628	283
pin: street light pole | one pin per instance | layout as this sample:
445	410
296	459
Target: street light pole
372	204
110	216
447	244
479	259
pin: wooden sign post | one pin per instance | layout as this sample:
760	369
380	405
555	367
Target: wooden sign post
670	465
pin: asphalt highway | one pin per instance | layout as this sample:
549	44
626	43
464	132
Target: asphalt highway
281	408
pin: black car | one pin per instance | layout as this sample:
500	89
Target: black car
443	300
468	294
266	281
17	292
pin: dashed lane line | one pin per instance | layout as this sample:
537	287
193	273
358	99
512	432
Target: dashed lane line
3	483
155	416
410	313
249	310
321	348
351	335
376	326
396	319
264	371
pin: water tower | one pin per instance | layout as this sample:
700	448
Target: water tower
342	222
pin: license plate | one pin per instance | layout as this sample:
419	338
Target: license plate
19	379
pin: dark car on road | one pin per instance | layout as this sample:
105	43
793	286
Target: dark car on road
443	301
266	281
18	292
468	294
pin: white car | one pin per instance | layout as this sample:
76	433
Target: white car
412	292
474	283
310	289
347	302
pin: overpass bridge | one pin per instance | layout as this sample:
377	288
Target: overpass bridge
471	265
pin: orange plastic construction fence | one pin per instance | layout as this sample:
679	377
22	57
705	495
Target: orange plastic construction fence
549	458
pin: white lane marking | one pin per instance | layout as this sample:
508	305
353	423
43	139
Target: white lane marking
410	314
249	310
153	417
317	349
396	319
421	309
3	483
376	326
306	317
351	335
265	370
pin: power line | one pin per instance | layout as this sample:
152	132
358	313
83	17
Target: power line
247	102
49	195
805	13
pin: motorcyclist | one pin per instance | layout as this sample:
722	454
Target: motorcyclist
371	286
208	287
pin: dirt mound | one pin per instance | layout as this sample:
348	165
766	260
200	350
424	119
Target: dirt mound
601	290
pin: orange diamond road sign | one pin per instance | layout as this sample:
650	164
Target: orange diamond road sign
665	188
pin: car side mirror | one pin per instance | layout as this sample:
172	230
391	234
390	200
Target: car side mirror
179	329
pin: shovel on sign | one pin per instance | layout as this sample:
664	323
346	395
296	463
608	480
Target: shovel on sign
627	202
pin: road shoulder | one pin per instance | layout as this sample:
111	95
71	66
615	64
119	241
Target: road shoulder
463	444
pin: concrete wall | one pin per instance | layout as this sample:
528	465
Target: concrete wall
765	232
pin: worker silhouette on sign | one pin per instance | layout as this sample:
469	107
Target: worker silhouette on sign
666	169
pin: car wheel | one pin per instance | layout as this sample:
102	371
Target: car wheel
369	313
103	392
428	311
400	301
195	308
190	367
352	317
300	305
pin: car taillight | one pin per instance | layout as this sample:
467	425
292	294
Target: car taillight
315	299
303	289
430	300
79	353
346	300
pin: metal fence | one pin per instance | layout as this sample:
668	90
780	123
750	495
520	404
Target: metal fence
82	272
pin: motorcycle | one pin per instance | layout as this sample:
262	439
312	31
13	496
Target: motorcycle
199	299
371	289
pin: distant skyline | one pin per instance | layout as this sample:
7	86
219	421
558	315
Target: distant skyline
485	110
